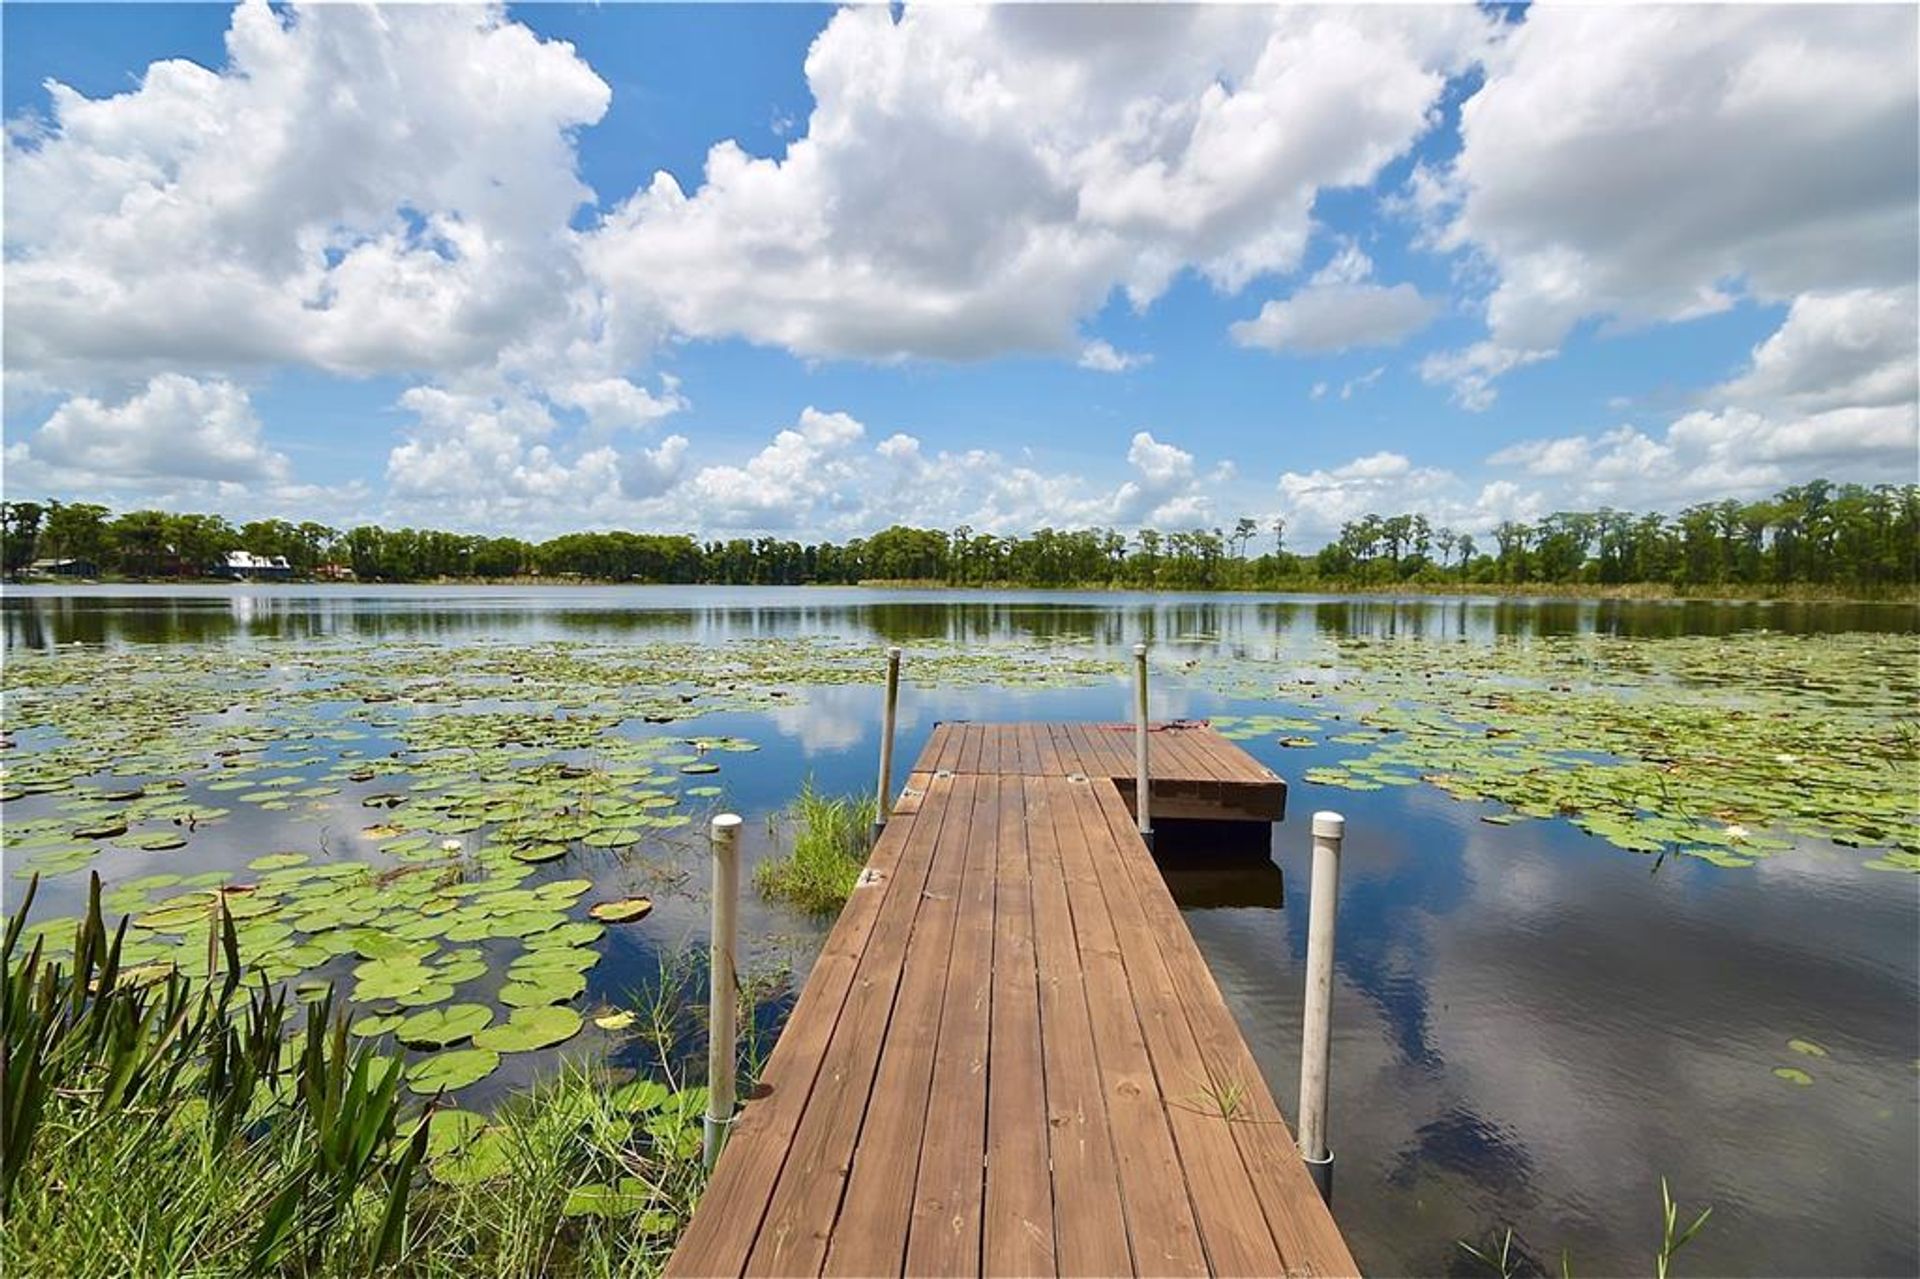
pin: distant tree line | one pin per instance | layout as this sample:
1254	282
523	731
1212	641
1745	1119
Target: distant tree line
1842	537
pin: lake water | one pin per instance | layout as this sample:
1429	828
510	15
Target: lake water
1532	1026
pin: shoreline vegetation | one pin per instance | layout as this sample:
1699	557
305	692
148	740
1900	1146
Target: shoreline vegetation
1815	541
288	1147
1642	592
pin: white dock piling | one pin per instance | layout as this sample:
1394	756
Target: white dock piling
885	798
723	985
1316	1043
1141	789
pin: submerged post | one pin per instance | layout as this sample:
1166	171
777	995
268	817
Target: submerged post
1140	787
1316	1043
886	747
723	985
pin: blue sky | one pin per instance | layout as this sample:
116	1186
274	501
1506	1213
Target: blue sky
978	268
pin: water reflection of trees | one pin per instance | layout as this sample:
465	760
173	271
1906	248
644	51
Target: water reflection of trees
1234	623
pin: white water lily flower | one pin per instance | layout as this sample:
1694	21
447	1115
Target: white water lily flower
1786	759
1737	833
450	845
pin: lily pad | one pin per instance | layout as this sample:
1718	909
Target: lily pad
531	1028
438	1027
450	1071
622	1199
625	911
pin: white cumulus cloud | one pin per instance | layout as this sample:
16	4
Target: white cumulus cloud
1657	163
975	180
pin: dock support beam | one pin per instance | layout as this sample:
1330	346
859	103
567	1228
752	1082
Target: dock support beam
886	747
1316	1031
1141	790
723	985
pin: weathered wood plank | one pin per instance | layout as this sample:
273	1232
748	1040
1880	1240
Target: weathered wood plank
1309	1242
1019	1196
720	1236
1160	1224
794	1235
1090	1221
879	1199
944	1233
1225	1208
1010	1057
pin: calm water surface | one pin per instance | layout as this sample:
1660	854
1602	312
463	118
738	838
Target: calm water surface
1531	1027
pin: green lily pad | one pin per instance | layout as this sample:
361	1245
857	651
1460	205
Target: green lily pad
622	1199
1793	1075
483	1157
640	1097
531	1028
438	1027
450	1071
375	1024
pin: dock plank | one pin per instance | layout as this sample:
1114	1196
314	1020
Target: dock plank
886	1159
1019	1223
944	1232
1010	1056
1090	1233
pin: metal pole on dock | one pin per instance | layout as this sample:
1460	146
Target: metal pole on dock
1316	1032
886	746
1141	790
722	985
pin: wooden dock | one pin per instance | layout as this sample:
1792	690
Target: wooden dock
1010	1057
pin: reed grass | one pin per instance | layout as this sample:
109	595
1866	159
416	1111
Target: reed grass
828	852
171	1127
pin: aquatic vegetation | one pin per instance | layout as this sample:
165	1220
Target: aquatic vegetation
301	1154
1498	1255
1720	748
829	849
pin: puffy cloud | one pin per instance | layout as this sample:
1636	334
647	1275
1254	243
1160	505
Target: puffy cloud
1102	358
174	429
819	477
321	200
1337	317
1316	503
798	481
1837	350
484	457
615	403
976	180
1831	393
1337	310
1657	163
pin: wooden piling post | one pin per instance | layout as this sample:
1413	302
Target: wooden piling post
885	801
1141	788
723	984
1316	1031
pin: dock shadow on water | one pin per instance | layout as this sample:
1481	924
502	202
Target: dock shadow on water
1563	971
1218	865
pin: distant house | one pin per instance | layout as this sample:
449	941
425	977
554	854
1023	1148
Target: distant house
245	566
64	568
331	572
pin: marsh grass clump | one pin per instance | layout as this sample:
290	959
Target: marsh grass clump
829	850
161	1124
